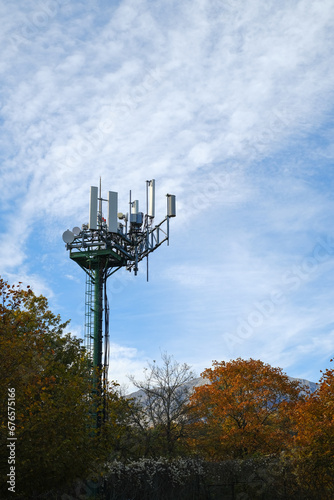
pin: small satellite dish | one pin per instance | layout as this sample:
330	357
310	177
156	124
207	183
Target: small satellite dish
68	236
76	231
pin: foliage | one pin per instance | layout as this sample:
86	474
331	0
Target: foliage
118	438
157	478
188	479
313	452
243	411
163	414
275	441
49	372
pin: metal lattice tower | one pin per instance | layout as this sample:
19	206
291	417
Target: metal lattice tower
102	247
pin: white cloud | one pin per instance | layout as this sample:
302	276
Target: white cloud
125	361
225	104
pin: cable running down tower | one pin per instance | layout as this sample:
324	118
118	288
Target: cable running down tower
102	247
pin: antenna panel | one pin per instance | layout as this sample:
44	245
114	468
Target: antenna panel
171	205
93	208
112	211
135	207
151	198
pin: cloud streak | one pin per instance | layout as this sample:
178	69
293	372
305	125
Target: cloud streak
229	106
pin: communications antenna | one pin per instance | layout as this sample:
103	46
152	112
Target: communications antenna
101	247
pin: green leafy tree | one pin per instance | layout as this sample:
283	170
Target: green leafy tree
48	370
118	437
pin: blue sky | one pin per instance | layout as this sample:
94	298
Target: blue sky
228	105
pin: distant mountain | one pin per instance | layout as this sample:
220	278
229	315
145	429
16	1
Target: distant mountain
197	382
312	386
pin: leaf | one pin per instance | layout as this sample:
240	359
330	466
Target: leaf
243	410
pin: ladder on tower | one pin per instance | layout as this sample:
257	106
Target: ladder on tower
89	317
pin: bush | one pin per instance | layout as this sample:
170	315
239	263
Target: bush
158	479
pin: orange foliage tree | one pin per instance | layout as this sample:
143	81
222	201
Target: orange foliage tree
313	451
243	410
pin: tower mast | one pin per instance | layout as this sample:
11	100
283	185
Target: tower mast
101	248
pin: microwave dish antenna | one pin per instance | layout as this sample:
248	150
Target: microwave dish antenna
68	236
102	247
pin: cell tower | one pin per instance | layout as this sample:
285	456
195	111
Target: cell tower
102	247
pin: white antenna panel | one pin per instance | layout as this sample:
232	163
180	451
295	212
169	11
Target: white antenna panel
151	198
171	205
93	207
135	207
112	211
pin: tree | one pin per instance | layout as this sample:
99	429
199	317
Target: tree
118	438
312	453
243	410
163	413
47	372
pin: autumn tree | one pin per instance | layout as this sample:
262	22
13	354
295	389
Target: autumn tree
243	410
312	453
47	370
162	412
118	437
